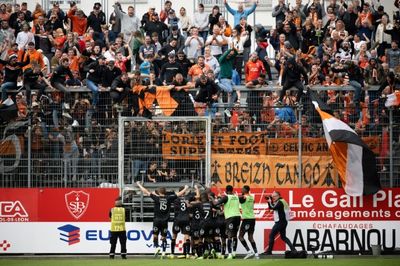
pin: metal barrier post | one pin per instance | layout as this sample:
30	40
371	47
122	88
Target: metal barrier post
300	163
390	146
120	151
29	149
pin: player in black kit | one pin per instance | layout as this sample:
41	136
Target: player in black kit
182	223
162	207
208	226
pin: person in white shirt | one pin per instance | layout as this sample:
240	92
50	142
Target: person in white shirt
24	37
200	20
211	61
193	44
216	41
186	22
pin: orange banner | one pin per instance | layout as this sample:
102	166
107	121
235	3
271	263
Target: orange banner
269	171
192	147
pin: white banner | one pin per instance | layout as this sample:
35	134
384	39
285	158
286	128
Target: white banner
91	237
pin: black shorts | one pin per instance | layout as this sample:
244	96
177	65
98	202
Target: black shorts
248	226
232	226
207	228
195	230
160	227
220	227
182	226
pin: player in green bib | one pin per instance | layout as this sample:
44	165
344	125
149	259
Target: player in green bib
248	222
232	218
118	231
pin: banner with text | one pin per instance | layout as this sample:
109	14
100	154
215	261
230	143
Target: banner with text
270	171
192	147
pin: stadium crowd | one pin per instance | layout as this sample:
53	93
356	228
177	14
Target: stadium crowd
178	64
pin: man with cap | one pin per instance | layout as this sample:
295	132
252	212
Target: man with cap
170	69
118	230
156	26
34	80
175	34
96	19
240	12
291	77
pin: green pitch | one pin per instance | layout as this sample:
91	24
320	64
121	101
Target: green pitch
371	261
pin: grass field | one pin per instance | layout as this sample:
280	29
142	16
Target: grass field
371	261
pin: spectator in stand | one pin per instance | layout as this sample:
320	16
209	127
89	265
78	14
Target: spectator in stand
156	26
6	33
226	29
240	12
93	81
170	69
200	68
216	41
175	34
34	56
147	49
96	19
59	77
180	93
226	62
24	37
38	12
170	48
213	18
194	43
244	27
129	22
211	61
28	13
279	12
4	15
164	13
393	55
13	69
253	68
200	21
381	37
56	10
184	62
186	22
237	41
120	88
206	97
78	19
146	18
292	74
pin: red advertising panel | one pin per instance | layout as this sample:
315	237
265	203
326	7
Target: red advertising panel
321	204
53	205
18	205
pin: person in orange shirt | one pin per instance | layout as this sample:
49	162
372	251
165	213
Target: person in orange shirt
38	12
253	68
198	69
74	56
79	21
34	55
4	15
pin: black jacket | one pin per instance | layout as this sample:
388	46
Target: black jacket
109	75
118	83
292	75
95	22
97	75
169	70
11	73
206	91
60	74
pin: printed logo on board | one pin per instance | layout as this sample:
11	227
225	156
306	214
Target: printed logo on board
5	245
13	211
70	234
77	203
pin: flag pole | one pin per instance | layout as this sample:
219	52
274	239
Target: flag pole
299	169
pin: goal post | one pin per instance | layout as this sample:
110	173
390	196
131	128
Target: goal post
177	147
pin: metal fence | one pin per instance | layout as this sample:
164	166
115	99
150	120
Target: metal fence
82	151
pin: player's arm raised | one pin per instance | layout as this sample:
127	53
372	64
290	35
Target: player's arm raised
143	189
183	191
